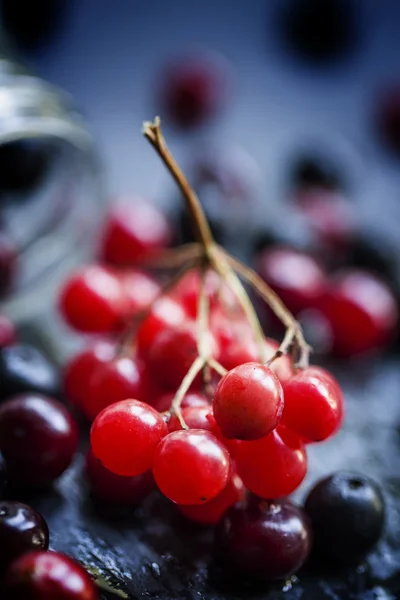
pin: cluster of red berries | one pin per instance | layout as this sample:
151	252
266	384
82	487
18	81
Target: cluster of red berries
247	430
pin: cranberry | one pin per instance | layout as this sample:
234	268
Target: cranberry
135	231
21	529
297	277
38	438
48	576
195	89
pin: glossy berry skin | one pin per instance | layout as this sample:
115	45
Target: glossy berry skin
165	313
3	474
192	399
140	290
39	438
195	417
23	368
274	466
93	300
347	514
80	368
48	576
295	276
111	382
264	540
8	263
173	352
195	89
211	512
314	405
361	312
248	402
125	435
22	529
135	231
114	489
191	466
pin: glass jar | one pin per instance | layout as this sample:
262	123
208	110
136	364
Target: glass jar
50	200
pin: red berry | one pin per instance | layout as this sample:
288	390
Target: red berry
248	402
134	232
192	399
125	435
173	352
93	300
195	417
296	277
48	576
195	89
81	367
282	366
8	263
230	445
111	382
211	512
140	290
273	466
313	404
39	438
165	313
191	466
115	489
8	334
187	291
361	311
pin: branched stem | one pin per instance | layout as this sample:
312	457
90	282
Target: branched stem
152	132
174	258
187	381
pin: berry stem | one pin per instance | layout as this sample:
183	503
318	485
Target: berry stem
152	131
174	257
294	333
217	367
187	381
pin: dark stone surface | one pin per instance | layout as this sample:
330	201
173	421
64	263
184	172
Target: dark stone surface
154	553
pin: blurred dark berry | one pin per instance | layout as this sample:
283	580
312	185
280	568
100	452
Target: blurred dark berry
23	164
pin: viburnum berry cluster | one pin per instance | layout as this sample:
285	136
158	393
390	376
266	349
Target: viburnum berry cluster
190	389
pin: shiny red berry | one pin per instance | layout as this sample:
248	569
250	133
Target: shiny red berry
125	435
314	404
264	540
80	368
191	466
39	438
296	276
48	576
8	334
93	300
274	466
135	230
195	89
187	291
195	417
248	402
112	381
173	352
116	489
192	399
165	313
211	512
361	312
140	290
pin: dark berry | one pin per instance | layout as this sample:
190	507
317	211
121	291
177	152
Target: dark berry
3	474
38	439
373	253
21	529
8	334
347	515
320	31
8	263
264	539
48	576
310	172
24	369
388	118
